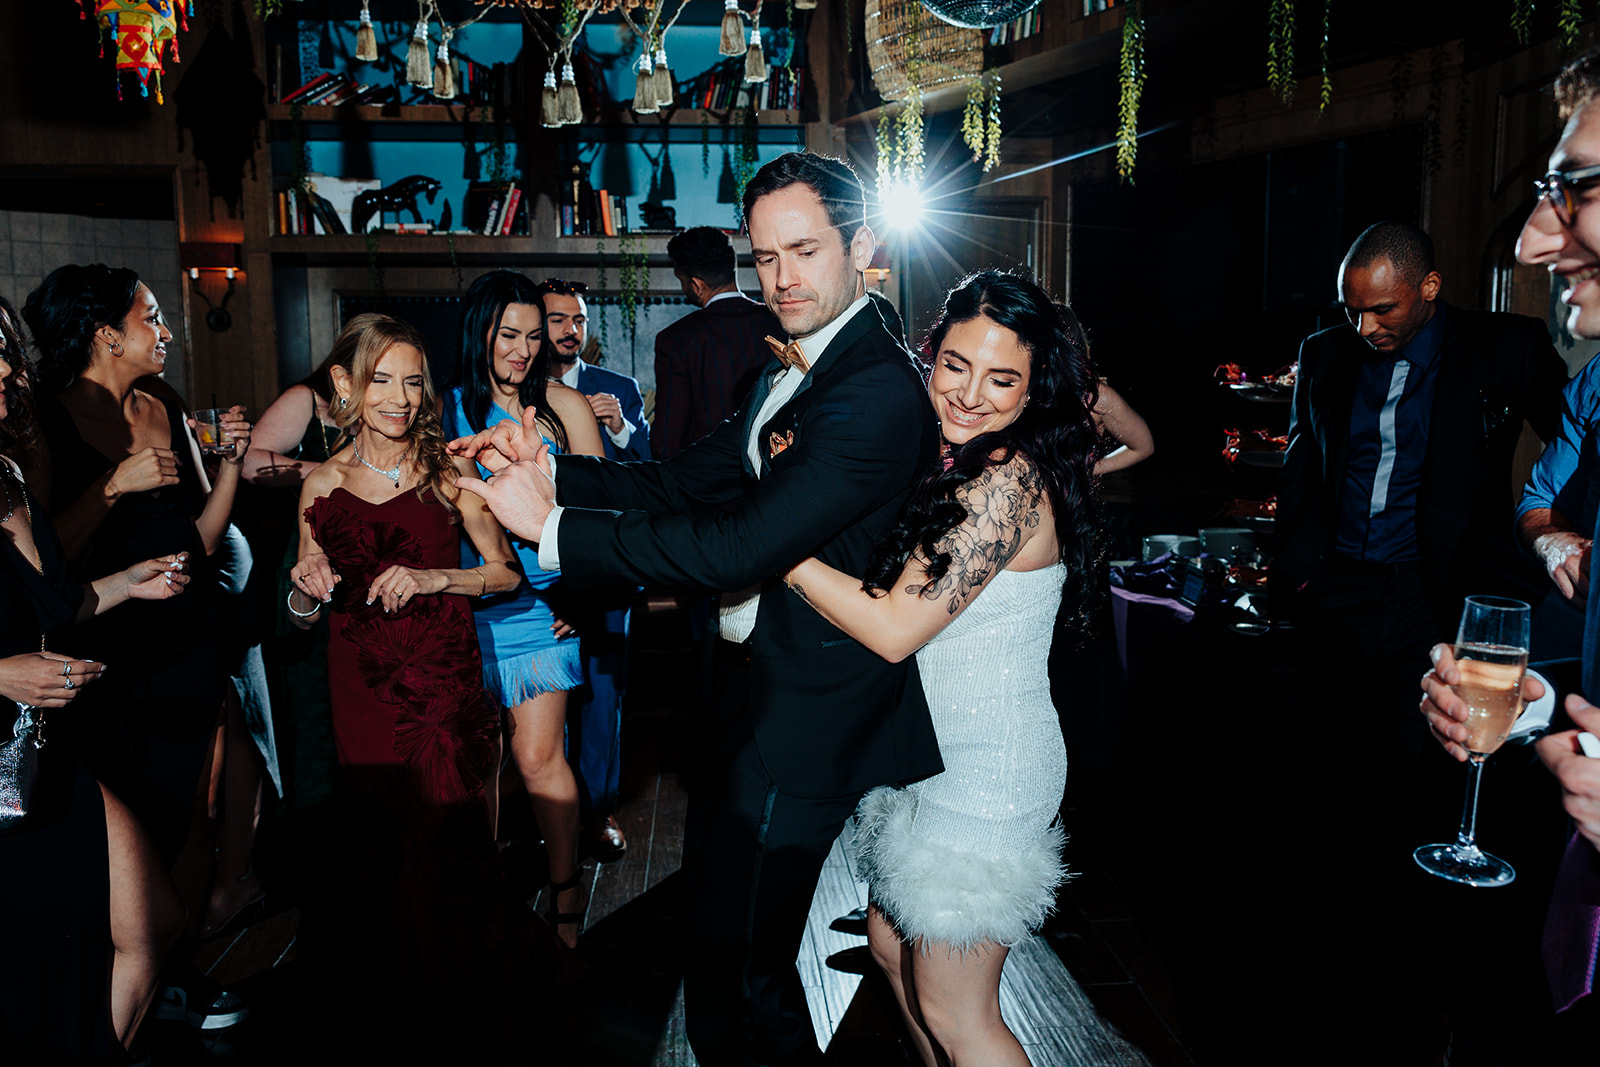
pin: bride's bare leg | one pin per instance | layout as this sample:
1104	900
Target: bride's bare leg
146	917
893	957
958	995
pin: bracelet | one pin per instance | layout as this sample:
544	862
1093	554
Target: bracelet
289	603
483	589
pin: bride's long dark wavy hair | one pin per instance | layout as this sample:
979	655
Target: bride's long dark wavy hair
1055	432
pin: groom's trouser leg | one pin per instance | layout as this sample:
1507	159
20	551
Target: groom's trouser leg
753	856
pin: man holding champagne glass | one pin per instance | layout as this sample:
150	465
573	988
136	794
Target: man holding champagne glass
1562	233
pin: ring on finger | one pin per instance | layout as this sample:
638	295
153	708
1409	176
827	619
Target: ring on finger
67	684
66	669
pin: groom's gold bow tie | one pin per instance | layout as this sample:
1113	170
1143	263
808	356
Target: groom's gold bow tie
789	354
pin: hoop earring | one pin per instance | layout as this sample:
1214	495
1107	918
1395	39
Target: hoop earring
115	348
338	403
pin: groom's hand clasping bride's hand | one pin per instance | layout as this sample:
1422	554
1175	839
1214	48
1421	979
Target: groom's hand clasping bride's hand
521	493
503	443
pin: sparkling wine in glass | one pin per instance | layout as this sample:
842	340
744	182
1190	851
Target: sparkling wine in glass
1492	654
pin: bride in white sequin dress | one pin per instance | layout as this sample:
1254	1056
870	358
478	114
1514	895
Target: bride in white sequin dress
964	865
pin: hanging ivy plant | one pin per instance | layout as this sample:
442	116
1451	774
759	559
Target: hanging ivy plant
1130	76
1521	19
909	138
265	9
705	143
1325	95
630	272
747	155
980	125
972	133
1280	48
599	291
374	266
1569	21
884	142
991	153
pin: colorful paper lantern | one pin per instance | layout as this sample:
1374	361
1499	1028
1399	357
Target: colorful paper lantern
140	30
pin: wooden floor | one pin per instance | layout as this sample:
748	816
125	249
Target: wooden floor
1087	991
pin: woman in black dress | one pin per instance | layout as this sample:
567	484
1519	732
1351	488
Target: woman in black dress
90	909
125	482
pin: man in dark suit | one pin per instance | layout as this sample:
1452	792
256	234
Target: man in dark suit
594	719
817	461
1396	494
709	359
1395	501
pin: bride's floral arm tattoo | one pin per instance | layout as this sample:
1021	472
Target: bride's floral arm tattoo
1001	502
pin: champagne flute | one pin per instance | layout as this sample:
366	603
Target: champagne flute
1492	654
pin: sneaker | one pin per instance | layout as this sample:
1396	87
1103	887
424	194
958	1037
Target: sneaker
181	1004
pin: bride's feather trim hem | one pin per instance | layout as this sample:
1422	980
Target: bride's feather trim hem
948	895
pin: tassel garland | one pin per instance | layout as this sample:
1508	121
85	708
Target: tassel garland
569	108
549	104
665	96
644	87
732	29
366	39
419	71
444	72
755	60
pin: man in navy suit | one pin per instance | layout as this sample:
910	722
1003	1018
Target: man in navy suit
594	726
709	358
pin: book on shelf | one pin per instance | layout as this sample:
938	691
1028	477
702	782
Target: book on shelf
314	83
326	90
608	225
508	212
494	208
408	227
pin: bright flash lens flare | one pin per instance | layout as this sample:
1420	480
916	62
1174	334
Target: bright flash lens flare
902	206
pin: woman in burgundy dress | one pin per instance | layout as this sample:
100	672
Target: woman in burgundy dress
421	902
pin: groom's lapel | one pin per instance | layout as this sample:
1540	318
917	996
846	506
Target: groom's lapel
752	407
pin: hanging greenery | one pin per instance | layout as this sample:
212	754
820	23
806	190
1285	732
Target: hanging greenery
1325	95
747	156
1280	48
265	9
633	273
1521	19
1130	74
884	142
499	152
705	142
909	139
1569	20
455	264
598	301
991	149
980	125
375	265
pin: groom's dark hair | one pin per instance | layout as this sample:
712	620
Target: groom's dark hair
833	180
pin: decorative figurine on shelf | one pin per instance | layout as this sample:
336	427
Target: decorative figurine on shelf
657	216
401	196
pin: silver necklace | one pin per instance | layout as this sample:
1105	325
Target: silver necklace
391	474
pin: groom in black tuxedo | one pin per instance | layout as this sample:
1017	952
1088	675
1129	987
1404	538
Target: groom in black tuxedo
817	461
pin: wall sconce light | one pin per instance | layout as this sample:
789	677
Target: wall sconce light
196	256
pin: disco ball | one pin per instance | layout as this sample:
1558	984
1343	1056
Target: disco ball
979	14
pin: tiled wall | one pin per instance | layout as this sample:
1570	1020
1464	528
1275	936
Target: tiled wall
32	245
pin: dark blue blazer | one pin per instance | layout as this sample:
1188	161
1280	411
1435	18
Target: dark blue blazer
705	362
592	380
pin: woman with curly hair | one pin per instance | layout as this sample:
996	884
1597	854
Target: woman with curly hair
992	546
421	902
